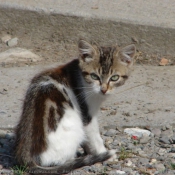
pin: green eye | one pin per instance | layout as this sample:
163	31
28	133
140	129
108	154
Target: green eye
95	77
114	78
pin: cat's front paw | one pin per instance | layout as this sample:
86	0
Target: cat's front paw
113	156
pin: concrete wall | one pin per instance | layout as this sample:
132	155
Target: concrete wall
40	24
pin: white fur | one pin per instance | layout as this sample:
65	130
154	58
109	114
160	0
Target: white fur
63	144
94	141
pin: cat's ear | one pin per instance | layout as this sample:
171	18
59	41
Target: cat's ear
86	50
127	54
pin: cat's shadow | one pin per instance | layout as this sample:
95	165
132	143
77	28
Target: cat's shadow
7	146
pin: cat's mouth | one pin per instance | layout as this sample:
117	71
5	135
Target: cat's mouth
106	93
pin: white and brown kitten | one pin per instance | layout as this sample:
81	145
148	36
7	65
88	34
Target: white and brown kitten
61	105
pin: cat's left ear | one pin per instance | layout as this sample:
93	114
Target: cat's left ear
86	50
127	54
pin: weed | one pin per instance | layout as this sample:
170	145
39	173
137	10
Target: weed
173	166
19	169
104	171
124	154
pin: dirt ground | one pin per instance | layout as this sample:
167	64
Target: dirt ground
147	99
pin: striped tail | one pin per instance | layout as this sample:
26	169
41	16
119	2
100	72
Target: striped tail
72	165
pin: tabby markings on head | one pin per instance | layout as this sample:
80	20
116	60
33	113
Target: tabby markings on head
106	58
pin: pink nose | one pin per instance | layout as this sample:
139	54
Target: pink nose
103	91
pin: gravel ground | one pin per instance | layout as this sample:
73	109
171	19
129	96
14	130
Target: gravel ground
137	153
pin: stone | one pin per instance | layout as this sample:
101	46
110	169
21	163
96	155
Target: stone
172	155
143	161
115	143
160	167
145	139
156	132
168	126
116	166
164	139
95	168
173	150
168	133
153	161
161	158
142	153
128	163
130	146
12	42
119	172
137	132
163	128
149	166
87	168
110	127
173	139
109	140
110	133
162	151
14	55
127	169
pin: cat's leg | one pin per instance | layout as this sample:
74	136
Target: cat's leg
94	143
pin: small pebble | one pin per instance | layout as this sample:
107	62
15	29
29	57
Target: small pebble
12	42
163	128
143	161
145	139
173	150
164	139
115	143
110	133
128	163
156	132
160	167
120	172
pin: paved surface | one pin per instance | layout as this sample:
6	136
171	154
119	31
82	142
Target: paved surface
151	24
147	99
155	13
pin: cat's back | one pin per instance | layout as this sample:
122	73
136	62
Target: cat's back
54	85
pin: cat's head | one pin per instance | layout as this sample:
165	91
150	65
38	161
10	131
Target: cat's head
105	68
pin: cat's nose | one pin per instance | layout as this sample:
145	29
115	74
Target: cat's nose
103	91
104	88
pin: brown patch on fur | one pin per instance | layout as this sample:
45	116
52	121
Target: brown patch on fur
38	134
51	120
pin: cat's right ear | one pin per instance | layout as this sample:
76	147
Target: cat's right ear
86	50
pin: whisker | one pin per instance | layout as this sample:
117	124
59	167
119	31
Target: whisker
83	88
87	96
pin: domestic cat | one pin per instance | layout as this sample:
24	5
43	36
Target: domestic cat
60	109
